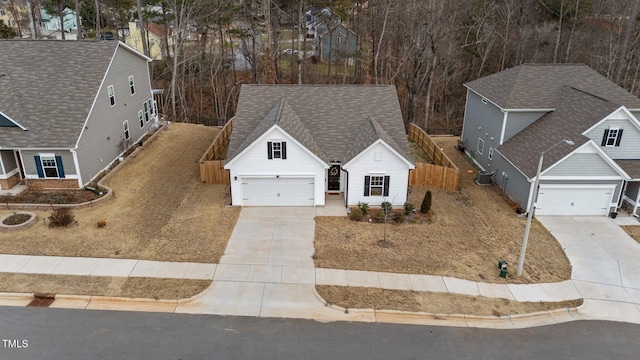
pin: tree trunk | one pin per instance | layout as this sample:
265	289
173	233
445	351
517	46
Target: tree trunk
623	51
143	28
77	10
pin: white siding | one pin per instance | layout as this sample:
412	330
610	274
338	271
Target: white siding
254	163
366	165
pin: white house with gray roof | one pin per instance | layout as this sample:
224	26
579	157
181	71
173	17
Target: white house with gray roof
68	109
292	144
511	117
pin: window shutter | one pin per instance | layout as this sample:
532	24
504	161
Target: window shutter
604	137
367	180
385	190
60	167
284	150
269	154
39	167
619	137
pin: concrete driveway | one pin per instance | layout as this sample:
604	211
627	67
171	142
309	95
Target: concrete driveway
605	261
267	270
599	250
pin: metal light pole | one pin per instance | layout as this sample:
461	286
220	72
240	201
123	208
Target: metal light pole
527	229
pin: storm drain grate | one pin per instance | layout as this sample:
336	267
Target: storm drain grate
42	300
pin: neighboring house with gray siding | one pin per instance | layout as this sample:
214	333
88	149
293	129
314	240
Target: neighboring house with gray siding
513	116
67	116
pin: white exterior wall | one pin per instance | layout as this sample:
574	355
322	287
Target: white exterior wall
366	165
254	163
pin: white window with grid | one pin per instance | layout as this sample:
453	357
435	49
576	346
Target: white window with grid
132	87
49	166
112	96
376	186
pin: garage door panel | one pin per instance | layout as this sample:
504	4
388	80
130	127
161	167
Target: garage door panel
574	200
278	192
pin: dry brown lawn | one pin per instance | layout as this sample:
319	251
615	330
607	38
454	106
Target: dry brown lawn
149	288
470	231
435	303
633	231
160	210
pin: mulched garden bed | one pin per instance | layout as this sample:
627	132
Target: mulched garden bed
53	197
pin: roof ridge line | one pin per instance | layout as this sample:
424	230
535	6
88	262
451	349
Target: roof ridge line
278	116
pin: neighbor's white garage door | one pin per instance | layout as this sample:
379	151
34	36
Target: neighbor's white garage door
278	191
557	200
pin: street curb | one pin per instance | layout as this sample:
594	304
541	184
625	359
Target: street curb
465	320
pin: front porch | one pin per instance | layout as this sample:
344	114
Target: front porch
14	191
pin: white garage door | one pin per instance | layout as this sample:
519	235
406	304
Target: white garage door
555	200
277	192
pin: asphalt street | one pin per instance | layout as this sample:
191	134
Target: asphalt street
37	333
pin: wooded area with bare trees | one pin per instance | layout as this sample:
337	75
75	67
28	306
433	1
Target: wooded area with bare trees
427	48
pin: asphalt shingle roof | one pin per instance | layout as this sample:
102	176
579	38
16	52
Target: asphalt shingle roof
631	167
576	112
48	86
334	122
539	86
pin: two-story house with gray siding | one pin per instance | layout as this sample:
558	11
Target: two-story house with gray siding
513	116
69	109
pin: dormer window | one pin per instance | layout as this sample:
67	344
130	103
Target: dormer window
612	137
276	150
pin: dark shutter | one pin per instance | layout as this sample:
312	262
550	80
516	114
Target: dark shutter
619	137
367	180
284	150
39	167
385	191
269	154
604	137
60	167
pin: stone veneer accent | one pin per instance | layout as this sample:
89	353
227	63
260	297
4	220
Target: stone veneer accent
46	184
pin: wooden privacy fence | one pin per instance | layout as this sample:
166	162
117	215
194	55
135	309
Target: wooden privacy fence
444	175
212	169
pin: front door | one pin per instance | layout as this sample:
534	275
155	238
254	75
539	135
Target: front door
333	180
19	161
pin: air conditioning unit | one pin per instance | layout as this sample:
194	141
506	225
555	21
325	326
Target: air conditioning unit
484	178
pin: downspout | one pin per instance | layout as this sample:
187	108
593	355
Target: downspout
77	165
346	188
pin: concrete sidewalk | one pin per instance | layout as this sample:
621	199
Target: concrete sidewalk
57	265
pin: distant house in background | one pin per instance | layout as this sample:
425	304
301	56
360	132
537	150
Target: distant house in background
50	25
60	128
335	43
156	36
332	39
14	13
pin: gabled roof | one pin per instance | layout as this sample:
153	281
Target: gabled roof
539	86
334	122
576	112
48	87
